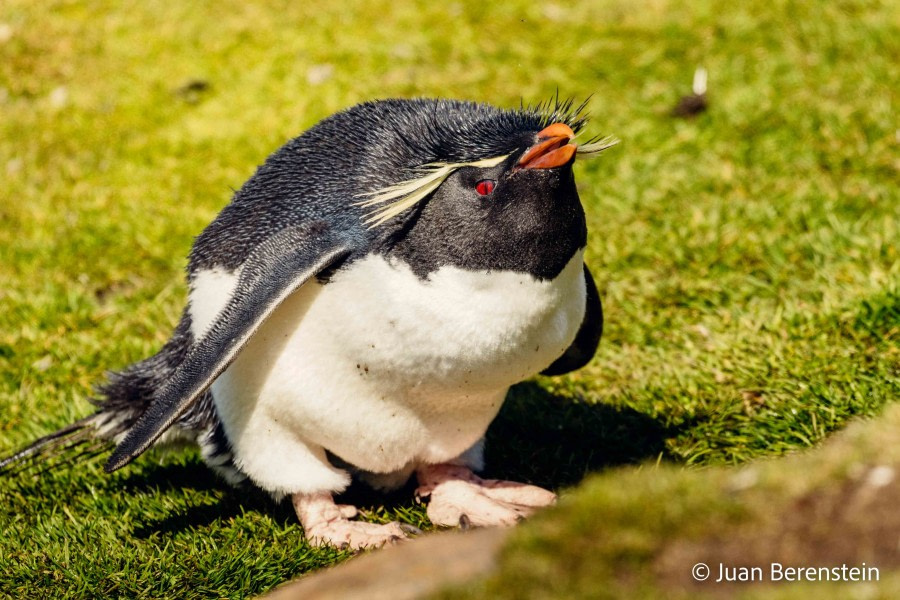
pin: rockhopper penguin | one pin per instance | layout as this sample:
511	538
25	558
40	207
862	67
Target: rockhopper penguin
361	308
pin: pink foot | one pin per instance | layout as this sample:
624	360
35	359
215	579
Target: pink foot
327	523
459	497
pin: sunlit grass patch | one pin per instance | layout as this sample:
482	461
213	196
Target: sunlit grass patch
748	258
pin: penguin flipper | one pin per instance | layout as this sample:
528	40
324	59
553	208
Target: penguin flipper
583	348
275	269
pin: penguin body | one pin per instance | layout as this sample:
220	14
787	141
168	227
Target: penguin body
387	371
364	303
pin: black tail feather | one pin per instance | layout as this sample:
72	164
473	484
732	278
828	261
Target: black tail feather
76	453
51	449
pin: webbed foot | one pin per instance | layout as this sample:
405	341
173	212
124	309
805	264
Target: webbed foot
327	523
459	497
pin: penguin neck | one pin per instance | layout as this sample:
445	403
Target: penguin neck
428	245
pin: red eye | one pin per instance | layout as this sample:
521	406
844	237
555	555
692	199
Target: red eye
485	187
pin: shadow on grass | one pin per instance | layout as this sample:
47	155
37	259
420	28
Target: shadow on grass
554	441
191	474
195	475
539	437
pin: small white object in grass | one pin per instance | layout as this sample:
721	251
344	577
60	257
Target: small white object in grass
42	364
318	74
880	476
6	32
59	97
699	87
554	12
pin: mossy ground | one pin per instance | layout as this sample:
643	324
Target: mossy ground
639	533
748	258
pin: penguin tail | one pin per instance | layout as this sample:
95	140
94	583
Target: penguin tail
73	443
119	403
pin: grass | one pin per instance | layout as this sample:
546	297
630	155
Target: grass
748	258
823	509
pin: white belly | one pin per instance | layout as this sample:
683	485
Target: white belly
386	370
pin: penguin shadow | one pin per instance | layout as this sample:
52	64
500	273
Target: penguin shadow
549	440
539	437
555	441
192	474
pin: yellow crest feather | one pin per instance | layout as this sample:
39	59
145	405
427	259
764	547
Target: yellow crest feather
407	194
594	148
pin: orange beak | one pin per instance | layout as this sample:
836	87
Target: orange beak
552	149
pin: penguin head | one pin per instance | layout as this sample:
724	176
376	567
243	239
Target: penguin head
483	188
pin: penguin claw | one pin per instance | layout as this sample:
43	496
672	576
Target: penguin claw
410	529
464	523
461	498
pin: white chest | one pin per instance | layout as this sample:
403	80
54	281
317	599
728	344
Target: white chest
459	330
384	369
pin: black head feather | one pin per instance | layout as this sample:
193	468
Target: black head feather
321	175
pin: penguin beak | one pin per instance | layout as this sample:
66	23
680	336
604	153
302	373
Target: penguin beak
551	150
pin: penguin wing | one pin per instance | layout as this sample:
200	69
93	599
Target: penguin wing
583	348
275	269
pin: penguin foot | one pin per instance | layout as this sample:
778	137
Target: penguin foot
326	523
459	497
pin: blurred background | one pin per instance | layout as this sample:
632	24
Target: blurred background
746	243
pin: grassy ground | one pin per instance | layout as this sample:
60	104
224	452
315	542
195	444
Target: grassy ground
748	258
824	509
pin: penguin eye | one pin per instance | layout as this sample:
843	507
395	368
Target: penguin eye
485	187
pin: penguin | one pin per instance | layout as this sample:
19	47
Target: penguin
360	309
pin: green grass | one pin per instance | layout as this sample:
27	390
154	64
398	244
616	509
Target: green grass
749	259
637	533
